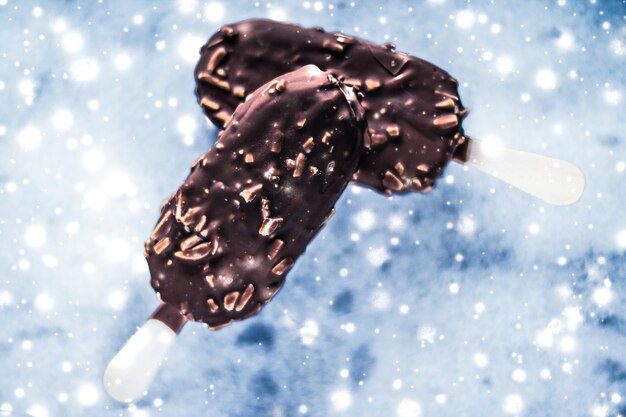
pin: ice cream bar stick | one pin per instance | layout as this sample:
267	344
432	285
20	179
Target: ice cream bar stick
551	180
130	373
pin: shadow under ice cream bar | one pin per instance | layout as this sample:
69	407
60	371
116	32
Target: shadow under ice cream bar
413	109
227	238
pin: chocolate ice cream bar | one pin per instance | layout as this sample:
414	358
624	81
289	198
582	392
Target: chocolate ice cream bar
413	108
228	237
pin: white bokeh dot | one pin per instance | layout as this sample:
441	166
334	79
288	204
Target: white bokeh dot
341	399
73	42
481	360
214	11
117	250
122	61
602	296
621	235
189	48
365	219
85	70
513	404
308	332
29	138
49	261
504	65
567	343
612	97
187	125
26	87
38	411
116	300
565	42
546	79
278	14
408	408
518	375
44	302
87	395
187	6
35	236
62	120
465	19
93	160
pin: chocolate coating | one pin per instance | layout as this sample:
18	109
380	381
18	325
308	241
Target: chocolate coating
413	109
251	204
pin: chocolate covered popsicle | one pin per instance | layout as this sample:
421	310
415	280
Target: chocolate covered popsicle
252	203
226	240
413	109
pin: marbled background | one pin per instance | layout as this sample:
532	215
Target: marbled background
471	300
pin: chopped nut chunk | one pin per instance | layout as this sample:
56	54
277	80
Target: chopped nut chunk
250	193
299	167
283	266
245	297
446	121
308	145
162	245
270	225
216	58
372	84
209	104
392	182
190	242
448	103
274	248
399	168
393	131
265	208
230	299
239	91
195	253
332	46
212	305
378	139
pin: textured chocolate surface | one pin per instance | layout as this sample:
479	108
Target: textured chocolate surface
413	109
227	238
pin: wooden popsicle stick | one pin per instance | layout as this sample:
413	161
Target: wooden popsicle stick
130	373
552	180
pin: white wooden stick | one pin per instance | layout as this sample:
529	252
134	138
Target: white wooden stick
551	180
131	371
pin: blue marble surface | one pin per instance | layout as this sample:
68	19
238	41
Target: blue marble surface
471	300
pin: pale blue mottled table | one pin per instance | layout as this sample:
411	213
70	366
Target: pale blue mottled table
471	300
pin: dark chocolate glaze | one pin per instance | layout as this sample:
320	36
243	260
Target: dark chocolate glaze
250	206
413	109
